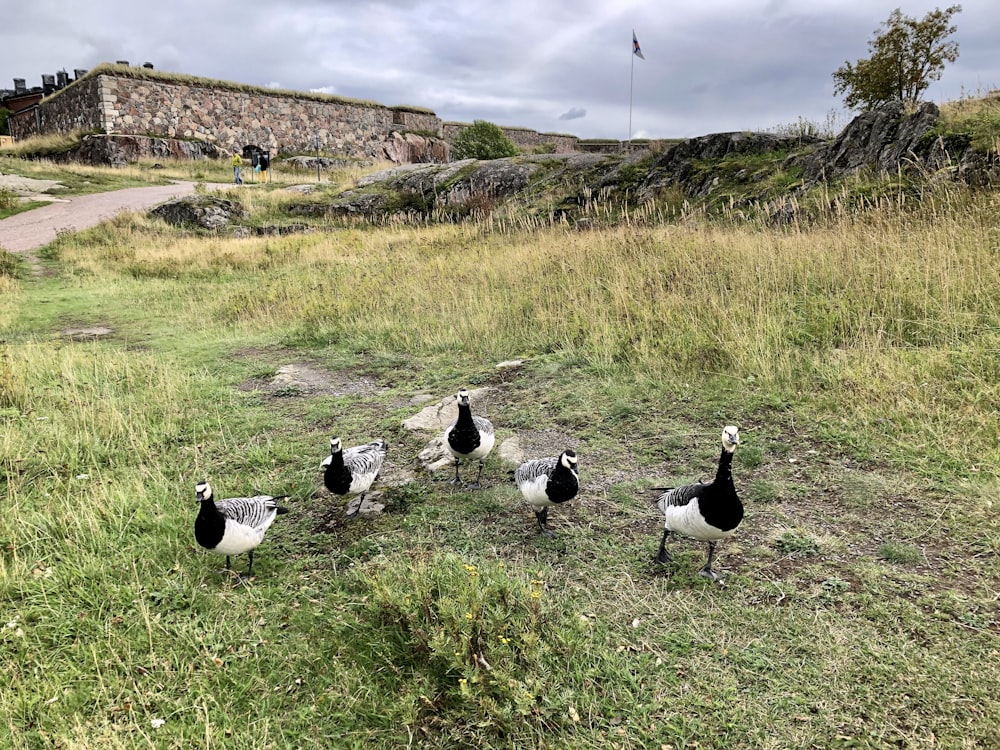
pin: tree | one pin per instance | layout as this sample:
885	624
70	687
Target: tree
483	140
906	56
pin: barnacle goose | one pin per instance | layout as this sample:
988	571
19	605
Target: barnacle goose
353	471
708	511
235	525
469	436
548	481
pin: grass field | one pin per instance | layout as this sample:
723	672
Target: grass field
859	358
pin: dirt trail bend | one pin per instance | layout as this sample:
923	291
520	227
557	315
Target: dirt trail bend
24	232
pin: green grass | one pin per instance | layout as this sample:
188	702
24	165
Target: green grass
975	118
858	359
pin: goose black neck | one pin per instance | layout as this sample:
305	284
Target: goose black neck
725	470
562	484
209	525
336	477
208	509
464	414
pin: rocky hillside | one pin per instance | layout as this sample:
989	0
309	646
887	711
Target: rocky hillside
728	169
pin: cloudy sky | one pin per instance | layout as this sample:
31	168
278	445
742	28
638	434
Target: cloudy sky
551	65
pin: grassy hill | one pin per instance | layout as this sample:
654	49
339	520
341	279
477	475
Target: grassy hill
857	354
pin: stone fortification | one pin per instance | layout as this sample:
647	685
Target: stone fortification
125	101
76	108
228	116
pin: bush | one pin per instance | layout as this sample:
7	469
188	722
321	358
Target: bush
8	199
480	640
483	140
10	265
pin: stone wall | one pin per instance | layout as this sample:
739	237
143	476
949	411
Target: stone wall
233	118
228	117
72	108
524	138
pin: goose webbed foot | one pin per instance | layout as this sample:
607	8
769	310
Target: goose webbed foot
708	573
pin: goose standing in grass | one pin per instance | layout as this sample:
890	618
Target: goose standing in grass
708	511
545	482
234	525
353	471
469	437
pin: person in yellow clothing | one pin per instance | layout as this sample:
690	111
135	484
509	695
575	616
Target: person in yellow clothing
237	163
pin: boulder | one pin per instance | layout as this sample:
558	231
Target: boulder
201	211
410	148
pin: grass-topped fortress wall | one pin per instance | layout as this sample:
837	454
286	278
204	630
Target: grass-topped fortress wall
118	99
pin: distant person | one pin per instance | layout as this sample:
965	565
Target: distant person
237	164
264	164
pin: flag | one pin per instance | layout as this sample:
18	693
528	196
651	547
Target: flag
636	49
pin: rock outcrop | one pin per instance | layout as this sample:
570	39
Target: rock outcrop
455	189
688	163
120	150
410	148
200	211
883	141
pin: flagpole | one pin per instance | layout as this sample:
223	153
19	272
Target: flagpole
631	77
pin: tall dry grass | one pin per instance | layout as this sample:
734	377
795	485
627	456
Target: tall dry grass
892	315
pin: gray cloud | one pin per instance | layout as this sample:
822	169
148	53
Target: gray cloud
714	66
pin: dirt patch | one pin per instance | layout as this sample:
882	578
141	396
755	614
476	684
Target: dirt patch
306	379
87	333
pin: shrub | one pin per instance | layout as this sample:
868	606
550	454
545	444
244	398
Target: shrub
483	140
10	264
8	199
478	638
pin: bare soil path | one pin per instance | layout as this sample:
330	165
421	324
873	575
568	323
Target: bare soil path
25	232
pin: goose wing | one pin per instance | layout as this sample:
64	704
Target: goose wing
484	425
677	497
535	468
366	459
256	512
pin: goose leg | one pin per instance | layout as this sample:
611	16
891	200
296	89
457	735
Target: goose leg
250	566
707	571
354	507
456	480
475	485
662	556
543	519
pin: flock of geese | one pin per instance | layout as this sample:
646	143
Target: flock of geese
706	511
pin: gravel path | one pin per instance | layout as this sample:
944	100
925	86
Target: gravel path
27	231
